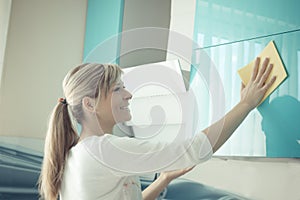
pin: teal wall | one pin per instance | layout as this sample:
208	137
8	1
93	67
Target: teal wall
236	20
238	31
103	21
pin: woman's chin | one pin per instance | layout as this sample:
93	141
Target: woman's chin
124	118
128	118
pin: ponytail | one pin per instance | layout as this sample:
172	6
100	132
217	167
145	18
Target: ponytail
61	137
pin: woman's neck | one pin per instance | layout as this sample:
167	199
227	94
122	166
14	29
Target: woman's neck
94	131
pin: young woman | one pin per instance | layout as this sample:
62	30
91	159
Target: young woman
99	165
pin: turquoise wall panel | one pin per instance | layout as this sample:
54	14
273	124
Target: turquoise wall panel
103	21
233	20
233	33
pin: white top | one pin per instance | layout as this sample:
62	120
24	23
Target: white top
107	167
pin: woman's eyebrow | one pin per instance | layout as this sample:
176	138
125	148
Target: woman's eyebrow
119	83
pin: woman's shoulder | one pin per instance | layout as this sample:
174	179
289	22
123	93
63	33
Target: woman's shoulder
94	138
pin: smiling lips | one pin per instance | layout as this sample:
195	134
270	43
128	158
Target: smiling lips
124	108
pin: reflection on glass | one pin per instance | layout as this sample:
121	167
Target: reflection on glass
233	33
281	126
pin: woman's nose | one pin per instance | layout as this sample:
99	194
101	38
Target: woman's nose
128	95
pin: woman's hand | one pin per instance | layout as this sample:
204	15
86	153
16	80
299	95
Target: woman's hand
153	190
171	175
254	91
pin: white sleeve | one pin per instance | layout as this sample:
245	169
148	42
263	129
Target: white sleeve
130	156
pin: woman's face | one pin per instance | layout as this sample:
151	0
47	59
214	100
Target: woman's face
114	108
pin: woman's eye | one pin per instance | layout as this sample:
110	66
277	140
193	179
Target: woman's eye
117	89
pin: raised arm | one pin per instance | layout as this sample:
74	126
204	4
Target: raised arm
251	95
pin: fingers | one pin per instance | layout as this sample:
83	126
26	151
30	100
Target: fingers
255	70
190	168
263	69
265	75
268	85
186	170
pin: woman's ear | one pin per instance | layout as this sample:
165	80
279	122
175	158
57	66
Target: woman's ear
88	104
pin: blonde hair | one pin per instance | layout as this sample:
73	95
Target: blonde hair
84	80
